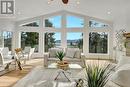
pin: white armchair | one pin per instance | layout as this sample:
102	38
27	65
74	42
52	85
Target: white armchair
5	60
28	51
73	55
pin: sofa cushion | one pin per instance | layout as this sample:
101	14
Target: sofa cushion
53	51
72	52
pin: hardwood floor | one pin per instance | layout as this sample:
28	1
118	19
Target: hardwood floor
9	79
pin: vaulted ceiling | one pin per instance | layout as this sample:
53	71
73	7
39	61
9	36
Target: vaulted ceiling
104	9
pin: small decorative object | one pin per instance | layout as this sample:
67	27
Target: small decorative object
97	76
80	83
17	50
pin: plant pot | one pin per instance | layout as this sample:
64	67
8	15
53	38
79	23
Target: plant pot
62	65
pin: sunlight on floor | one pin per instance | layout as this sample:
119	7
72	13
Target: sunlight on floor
9	79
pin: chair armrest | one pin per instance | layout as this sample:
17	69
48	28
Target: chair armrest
46	56
82	56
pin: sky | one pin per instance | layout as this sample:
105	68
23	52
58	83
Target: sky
70	36
72	22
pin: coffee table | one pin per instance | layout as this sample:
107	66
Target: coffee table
62	71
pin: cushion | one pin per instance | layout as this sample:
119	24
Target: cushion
53	51
123	60
122	76
70	53
77	54
5	51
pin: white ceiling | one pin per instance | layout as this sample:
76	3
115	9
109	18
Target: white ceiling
96	8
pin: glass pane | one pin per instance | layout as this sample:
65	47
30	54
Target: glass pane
52	40
98	42
1	39
30	39
7	39
54	22
96	24
32	24
74	22
75	40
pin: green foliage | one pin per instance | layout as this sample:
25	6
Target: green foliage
97	76
98	42
29	39
60	55
49	37
49	41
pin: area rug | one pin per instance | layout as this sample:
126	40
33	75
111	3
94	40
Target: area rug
42	77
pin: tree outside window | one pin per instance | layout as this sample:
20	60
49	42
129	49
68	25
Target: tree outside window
98	42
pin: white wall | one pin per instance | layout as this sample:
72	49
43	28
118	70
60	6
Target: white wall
121	21
7	25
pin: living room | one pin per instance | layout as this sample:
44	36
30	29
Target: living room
83	32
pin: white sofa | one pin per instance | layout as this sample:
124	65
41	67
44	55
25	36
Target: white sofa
73	55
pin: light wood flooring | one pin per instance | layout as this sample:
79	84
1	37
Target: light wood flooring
9	79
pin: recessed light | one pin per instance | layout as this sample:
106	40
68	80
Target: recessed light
48	2
108	12
78	2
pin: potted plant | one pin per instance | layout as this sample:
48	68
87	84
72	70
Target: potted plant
60	55
97	76
61	64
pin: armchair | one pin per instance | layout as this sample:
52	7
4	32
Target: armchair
6	59
72	55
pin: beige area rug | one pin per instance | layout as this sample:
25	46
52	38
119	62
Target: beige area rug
9	79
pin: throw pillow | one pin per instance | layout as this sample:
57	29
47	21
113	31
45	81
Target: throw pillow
53	51
121	76
70	52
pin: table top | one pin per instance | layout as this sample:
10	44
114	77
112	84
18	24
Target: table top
71	66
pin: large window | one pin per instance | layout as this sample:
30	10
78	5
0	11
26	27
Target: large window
52	40
75	40
96	24
98	42
74	22
54	22
32	24
30	39
1	39
7	36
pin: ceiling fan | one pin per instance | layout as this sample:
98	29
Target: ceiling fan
64	1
